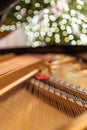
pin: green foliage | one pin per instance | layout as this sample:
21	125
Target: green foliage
40	28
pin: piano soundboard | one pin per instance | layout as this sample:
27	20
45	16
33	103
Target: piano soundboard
43	92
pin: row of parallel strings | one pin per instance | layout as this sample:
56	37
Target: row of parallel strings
23	111
46	93
26	109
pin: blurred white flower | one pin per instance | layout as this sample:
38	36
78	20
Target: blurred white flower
75	29
83	38
60	7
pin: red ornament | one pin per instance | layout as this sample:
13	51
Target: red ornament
41	76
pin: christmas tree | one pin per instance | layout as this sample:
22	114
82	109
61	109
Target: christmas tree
49	21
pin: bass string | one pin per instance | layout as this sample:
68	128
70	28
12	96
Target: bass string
63	94
56	97
37	90
43	95
71	92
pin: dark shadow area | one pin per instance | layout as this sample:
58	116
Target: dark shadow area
73	50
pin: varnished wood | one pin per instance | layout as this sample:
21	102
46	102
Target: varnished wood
6	57
22	109
16	63
78	124
17	82
17	70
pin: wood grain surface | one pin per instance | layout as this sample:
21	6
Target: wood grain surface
17	62
17	70
6	57
20	110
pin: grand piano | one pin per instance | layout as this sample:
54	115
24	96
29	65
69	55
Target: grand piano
42	88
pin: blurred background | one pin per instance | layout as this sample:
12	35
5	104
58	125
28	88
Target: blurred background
36	23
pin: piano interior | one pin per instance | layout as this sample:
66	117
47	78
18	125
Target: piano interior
42	88
43	91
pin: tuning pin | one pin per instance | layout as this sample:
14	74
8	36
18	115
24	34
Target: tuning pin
67	84
63	95
73	86
51	90
54	79
79	103
46	87
57	93
61	82
80	89
70	98
41	85
85	91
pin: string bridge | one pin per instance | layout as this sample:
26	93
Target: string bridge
49	85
